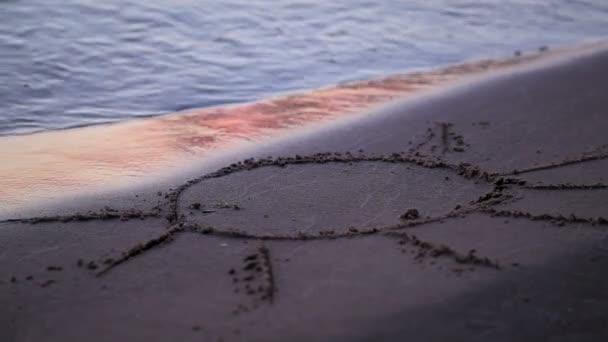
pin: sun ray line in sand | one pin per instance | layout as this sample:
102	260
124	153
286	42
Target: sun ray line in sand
268	274
426	248
430	134
448	140
141	248
255	279
103	215
596	154
566	186
445	130
559	220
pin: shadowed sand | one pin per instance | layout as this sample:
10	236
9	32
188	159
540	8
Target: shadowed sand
477	214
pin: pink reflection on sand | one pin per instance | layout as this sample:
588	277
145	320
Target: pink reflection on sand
46	164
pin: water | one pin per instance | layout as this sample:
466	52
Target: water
81	62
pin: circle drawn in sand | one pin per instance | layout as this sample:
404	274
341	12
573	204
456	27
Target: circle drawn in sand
335	198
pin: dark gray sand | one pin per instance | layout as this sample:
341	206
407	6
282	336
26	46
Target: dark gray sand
479	214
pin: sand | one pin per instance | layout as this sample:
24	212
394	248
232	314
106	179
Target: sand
475	214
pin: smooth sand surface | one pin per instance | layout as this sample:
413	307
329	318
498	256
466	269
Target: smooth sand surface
478	214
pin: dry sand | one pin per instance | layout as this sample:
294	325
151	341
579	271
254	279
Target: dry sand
477	214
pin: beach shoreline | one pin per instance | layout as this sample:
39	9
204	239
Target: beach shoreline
474	213
62	164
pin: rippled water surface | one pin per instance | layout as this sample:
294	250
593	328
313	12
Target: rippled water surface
81	62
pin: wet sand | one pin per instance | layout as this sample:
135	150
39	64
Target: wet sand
475	214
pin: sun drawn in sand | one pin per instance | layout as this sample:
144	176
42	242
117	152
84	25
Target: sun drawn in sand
278	199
